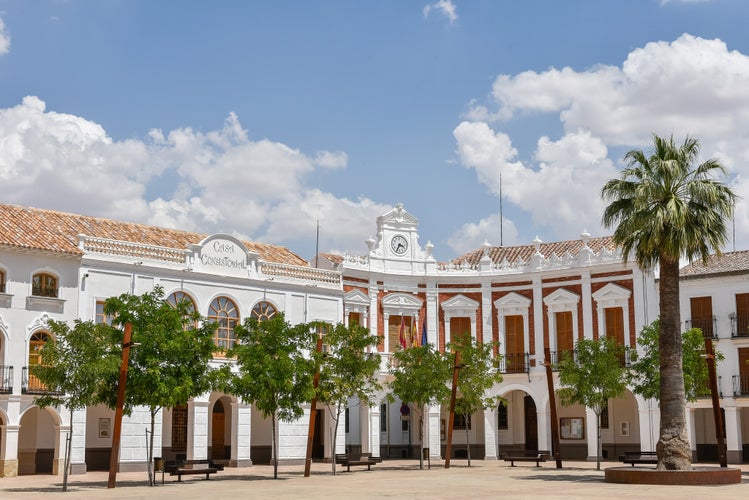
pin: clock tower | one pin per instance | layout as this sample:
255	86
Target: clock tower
397	237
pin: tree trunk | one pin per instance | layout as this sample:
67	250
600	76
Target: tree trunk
421	437
468	441
335	436
598	441
274	445
68	452
673	448
151	478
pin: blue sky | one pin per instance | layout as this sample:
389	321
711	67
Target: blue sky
257	118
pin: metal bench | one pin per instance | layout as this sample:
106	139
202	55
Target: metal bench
528	457
349	460
639	457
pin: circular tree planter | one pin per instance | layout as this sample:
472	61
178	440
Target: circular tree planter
698	476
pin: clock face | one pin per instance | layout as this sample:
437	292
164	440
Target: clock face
399	244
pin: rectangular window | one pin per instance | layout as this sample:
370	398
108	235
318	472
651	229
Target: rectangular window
179	429
394	331
460	327
383	418
742	314
615	323
515	342
565	342
44	285
744	370
502	417
354	318
605	416
99	316
460	422
702	315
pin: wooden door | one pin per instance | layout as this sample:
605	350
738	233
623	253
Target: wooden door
565	340
615	324
531	424
702	314
459	327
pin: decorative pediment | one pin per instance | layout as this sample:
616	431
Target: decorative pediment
398	303
460	306
223	254
40	323
512	303
3	324
612	295
398	217
356	298
561	297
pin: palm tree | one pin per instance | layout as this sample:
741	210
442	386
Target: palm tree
665	208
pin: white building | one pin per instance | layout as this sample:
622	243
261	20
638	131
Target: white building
543	295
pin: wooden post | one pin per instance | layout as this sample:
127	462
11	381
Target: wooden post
556	450
117	430
717	414
451	418
313	415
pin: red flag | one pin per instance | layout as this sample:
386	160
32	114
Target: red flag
402	335
414	333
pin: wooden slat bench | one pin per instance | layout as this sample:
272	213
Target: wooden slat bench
349	460
527	457
639	457
189	467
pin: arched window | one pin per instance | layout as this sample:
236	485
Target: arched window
224	312
36	344
44	285
2	281
263	310
179	297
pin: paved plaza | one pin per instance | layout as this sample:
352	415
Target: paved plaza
391	479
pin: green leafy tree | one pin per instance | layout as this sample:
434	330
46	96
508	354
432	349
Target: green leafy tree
645	375
477	375
74	367
594	375
421	376
170	363
274	370
347	370
664	208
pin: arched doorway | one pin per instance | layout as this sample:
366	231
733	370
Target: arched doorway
517	423
37	441
531	423
218	431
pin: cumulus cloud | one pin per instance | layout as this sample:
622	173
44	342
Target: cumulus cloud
472	235
220	180
4	39
444	7
690	86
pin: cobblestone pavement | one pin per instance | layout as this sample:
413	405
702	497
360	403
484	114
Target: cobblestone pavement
390	479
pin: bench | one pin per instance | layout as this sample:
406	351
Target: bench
527	457
188	467
639	457
363	459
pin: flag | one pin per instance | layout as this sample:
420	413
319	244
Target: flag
424	333
414	333
402	335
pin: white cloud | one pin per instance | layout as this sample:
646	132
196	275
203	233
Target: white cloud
220	180
444	7
4	39
688	86
473	234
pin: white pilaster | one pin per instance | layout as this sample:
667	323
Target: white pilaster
490	433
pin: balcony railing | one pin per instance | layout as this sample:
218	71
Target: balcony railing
6	379
704	392
32	385
739	325
740	385
707	325
515	363
558	356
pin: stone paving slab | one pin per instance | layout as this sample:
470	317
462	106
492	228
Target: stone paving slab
390	479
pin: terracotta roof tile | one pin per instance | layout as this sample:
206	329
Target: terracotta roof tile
52	231
730	262
525	252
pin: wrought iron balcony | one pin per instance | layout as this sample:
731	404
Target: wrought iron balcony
740	385
739	325
6	379
32	385
515	363
707	325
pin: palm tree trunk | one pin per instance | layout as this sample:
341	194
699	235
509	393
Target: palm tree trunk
673	448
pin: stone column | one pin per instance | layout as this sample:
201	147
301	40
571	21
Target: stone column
486	312
433	331
733	435
433	431
649	422
197	429
544	426
591	431
692	432
9	450
364	435
490	433
78	453
538	324
374	430
241	420
587	299
58	460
